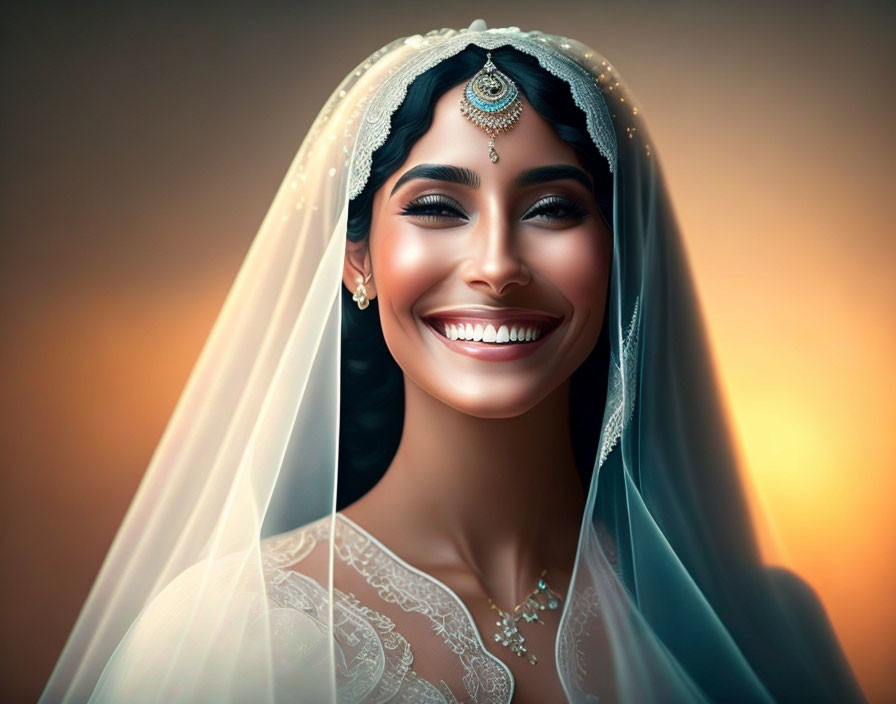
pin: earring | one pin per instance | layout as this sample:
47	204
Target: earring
360	295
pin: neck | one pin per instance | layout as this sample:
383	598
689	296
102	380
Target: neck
500	495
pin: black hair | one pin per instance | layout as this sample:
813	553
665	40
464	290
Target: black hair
372	388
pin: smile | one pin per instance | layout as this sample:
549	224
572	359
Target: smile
492	333
488	333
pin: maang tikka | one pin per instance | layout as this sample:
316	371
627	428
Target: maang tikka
492	102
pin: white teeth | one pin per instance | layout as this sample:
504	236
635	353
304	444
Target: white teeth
489	334
503	334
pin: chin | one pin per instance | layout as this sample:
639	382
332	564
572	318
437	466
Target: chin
484	402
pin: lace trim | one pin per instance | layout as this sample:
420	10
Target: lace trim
281	551
377	662
552	54
419	691
621	387
486	679
366	648
571	656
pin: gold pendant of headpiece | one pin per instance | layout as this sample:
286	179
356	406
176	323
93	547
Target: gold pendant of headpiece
492	102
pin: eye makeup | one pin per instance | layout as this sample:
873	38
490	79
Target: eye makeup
434	207
552	208
556	209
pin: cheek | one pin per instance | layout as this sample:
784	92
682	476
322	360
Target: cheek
578	263
406	263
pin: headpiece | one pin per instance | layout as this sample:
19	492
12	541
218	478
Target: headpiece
491	101
585	71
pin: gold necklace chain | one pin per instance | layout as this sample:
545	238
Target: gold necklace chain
540	599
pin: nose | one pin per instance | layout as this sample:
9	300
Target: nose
495	263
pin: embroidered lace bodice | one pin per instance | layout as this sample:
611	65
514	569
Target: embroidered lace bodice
401	635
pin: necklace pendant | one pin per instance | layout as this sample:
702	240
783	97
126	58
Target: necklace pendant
508	635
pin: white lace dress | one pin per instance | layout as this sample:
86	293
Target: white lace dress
381	607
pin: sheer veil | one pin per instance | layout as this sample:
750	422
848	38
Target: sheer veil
667	572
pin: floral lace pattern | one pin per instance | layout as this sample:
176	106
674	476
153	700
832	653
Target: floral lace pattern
571	657
621	387
555	54
375	663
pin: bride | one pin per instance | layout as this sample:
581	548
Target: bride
455	436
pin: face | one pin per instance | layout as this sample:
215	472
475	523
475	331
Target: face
491	277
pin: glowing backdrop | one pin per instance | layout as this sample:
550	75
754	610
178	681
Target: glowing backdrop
141	147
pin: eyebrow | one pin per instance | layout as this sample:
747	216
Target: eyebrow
559	172
439	172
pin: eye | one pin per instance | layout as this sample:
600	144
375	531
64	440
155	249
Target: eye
556	210
435	208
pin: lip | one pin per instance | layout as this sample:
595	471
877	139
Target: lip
486	351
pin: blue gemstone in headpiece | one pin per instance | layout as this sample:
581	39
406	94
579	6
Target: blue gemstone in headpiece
491	101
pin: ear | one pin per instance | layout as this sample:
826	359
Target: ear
357	267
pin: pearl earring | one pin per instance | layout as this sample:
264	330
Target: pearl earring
360	295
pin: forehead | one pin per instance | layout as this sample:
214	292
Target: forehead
452	139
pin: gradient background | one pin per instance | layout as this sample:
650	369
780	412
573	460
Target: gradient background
142	145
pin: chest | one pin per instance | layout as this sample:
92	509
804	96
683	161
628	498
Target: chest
402	635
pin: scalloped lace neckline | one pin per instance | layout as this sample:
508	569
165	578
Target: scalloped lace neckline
471	622
438	583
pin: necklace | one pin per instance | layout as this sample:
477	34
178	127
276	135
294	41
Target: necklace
508	635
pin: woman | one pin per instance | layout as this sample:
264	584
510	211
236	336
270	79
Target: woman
469	297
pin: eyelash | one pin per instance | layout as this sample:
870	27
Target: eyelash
434	208
437	208
557	209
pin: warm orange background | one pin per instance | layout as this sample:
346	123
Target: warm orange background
140	149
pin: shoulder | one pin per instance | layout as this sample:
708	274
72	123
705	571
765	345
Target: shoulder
296	568
202	636
295	549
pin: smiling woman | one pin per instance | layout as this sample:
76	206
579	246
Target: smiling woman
470	284
491	283
521	245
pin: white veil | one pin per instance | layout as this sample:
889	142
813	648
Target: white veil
178	611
